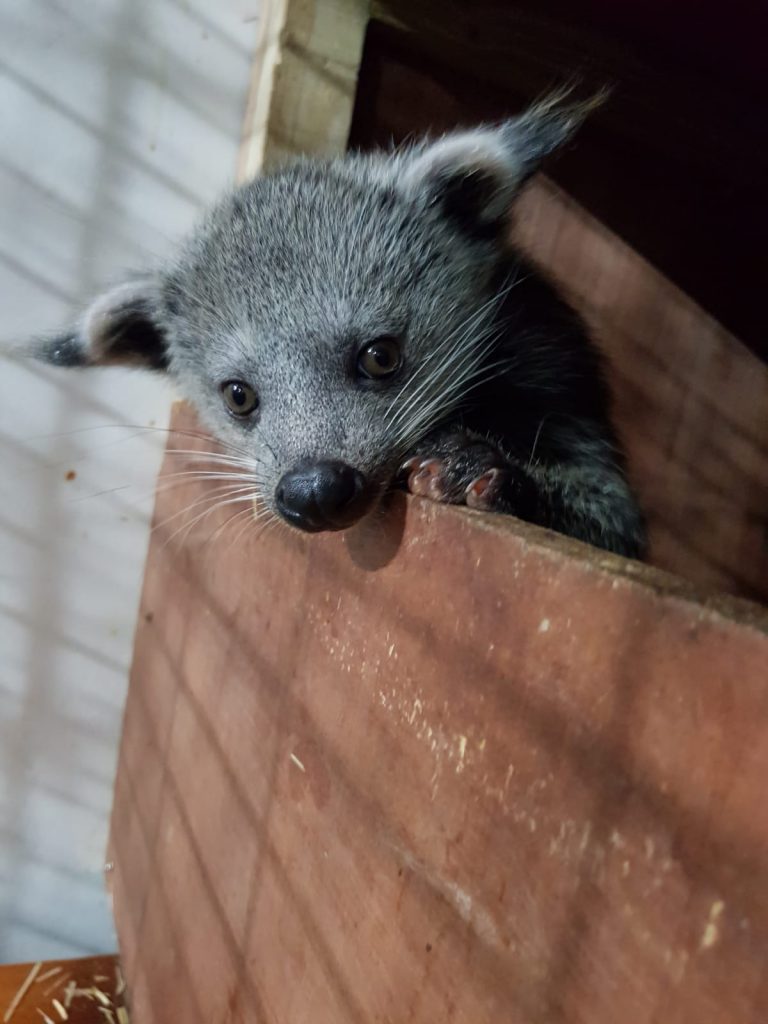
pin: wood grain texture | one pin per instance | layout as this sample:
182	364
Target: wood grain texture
303	81
442	768
691	402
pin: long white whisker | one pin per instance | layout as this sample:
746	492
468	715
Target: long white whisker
446	392
536	439
207	474
208	511
233	488
166	482
453	358
452	343
272	523
204	500
264	516
238	460
140	428
249	513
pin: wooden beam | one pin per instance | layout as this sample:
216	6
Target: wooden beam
446	767
303	82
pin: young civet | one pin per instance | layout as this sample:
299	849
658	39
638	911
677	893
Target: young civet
363	322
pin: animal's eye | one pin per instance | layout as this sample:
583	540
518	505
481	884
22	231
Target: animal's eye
239	397
380	358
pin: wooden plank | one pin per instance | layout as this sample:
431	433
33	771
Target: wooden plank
303	82
447	767
691	402
28	991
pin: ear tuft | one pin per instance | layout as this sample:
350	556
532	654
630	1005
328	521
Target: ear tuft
546	125
62	350
120	328
472	177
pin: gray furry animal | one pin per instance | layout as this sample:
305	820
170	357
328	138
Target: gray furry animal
351	324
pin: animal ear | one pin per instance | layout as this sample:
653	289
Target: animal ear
120	328
473	176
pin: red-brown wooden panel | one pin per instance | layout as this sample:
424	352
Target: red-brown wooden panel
691	402
442	768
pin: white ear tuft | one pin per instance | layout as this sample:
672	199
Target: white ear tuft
473	161
120	327
476	174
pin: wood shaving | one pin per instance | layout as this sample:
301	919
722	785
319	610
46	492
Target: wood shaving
25	986
56	983
59	979
48	974
69	994
60	1010
101	996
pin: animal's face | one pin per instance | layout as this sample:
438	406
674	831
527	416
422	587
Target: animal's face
325	318
318	321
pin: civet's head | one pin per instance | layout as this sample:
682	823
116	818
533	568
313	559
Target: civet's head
325	317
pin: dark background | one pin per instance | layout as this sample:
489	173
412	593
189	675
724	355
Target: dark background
676	162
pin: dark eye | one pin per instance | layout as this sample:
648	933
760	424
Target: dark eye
381	358
239	397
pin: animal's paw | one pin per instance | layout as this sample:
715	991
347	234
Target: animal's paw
465	472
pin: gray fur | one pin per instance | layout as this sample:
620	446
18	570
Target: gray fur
290	275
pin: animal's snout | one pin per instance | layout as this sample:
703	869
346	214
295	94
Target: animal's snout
322	496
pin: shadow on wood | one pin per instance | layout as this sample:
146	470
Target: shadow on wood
690	402
483	774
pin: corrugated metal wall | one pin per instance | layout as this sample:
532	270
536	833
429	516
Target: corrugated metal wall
120	119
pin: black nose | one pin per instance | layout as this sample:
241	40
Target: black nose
322	496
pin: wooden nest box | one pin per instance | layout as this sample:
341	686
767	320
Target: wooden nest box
456	768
